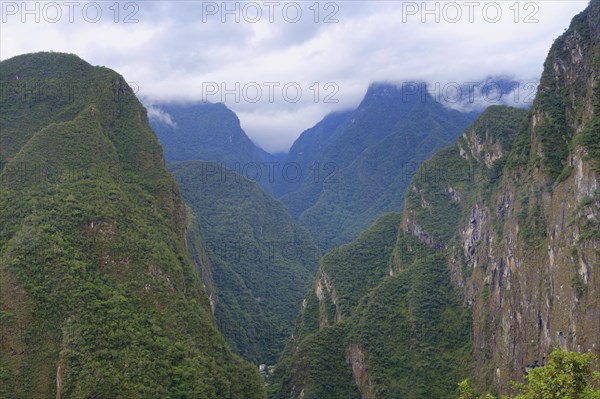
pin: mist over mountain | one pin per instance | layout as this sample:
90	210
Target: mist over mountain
478	95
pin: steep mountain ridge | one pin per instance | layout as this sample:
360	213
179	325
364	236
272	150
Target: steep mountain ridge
306	151
98	297
401	325
261	262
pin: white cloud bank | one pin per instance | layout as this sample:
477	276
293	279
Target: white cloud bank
302	70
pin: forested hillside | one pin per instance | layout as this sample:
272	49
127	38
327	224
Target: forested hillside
402	329
261	262
98	298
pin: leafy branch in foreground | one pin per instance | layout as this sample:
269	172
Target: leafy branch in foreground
567	375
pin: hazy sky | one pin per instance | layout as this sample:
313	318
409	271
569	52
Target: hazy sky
281	66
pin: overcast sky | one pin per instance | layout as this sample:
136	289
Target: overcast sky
281	66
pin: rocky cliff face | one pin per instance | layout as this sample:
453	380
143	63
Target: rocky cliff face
526	249
536	240
355	357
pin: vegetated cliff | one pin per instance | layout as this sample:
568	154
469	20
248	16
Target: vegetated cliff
532	247
393	296
496	258
98	298
313	364
372	328
260	261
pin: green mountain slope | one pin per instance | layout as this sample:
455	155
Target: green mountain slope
402	327
262	262
313	364
366	164
495	263
98	297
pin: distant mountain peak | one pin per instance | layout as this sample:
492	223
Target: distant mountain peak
394	90
204	131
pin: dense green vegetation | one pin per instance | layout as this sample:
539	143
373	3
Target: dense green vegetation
411	326
567	375
416	332
358	267
317	368
389	291
314	359
365	165
98	296
262	262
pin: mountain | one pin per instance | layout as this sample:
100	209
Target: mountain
208	132
492	264
337	177
202	131
364	161
98	297
534	244
262	262
301	159
400	323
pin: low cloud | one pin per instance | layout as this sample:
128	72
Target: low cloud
175	49
158	115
